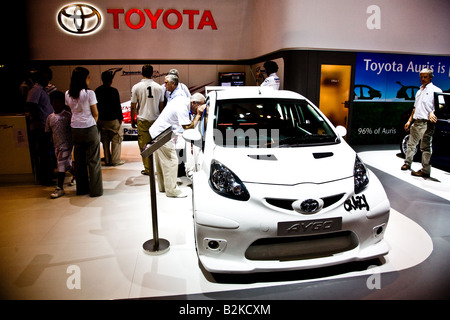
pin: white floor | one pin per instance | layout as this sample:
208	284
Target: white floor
48	246
385	158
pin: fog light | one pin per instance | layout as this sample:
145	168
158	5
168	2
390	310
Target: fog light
379	230
215	245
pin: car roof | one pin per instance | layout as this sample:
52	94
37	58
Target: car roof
224	93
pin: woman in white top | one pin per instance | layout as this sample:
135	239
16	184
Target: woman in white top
87	163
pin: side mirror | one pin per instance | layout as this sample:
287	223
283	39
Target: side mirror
342	132
192	135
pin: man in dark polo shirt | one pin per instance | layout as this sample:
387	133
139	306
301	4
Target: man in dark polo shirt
110	120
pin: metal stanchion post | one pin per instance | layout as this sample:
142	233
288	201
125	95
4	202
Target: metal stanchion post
155	246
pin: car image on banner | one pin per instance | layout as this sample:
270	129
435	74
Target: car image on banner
276	187
129	133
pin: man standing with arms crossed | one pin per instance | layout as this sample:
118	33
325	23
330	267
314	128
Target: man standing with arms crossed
424	123
147	102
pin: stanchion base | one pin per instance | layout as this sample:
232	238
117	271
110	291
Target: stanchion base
150	248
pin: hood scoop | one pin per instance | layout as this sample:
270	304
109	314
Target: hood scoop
270	157
321	155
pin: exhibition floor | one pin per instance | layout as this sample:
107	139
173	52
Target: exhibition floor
47	246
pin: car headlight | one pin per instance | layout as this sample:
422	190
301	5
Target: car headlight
360	175
224	182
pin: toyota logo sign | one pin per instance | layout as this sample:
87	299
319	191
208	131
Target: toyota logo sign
79	18
308	206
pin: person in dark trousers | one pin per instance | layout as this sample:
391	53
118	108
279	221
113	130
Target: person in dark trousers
39	108
110	120
83	104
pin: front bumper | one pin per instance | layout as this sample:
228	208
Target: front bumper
244	236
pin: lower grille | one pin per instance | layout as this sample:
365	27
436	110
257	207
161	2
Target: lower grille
301	248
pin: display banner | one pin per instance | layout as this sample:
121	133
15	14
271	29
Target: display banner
385	89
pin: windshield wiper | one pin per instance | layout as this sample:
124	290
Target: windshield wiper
319	137
288	141
308	139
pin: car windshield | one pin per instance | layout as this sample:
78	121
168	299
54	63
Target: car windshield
269	123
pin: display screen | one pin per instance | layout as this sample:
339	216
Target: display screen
231	79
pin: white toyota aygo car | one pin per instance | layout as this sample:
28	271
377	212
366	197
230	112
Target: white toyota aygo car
276	187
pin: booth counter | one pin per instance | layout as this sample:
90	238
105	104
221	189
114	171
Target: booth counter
15	161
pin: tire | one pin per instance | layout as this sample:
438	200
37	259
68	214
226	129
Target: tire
404	146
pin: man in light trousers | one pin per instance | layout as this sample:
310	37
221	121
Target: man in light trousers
424	124
177	116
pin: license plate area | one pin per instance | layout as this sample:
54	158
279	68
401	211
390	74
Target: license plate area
308	227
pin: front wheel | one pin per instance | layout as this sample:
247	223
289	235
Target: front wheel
404	147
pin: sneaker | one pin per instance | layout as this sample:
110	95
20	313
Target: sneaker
121	162
57	193
181	195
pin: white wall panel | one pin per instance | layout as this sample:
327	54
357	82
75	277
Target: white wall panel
245	29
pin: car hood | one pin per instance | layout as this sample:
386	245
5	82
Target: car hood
289	166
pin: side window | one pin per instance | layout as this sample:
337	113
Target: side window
365	93
204	120
202	126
